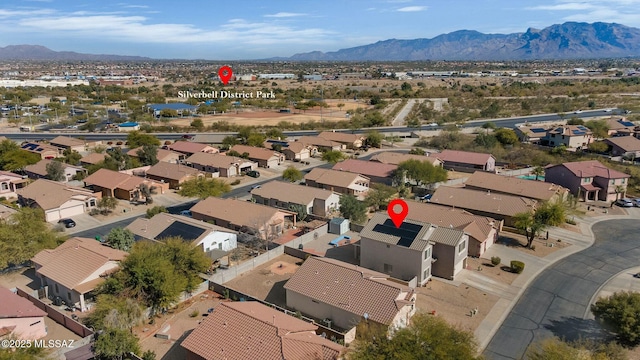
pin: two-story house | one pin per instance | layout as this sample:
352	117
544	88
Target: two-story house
589	180
338	181
285	195
571	136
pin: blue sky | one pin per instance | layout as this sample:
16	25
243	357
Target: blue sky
248	29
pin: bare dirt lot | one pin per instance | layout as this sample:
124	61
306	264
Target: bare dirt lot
542	247
497	273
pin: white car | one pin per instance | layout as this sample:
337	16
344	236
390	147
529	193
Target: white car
432	124
578	112
624	202
608	110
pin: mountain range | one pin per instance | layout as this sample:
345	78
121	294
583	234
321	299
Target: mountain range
41	53
570	40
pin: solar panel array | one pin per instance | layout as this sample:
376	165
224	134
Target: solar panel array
407	232
583	128
578	132
626	123
186	231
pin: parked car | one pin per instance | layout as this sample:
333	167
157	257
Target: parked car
578	112
254	187
68	223
253	174
186	213
624	202
636	202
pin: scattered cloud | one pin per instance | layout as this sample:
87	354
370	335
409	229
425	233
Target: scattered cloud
412	8
563	7
284	15
619	11
136	6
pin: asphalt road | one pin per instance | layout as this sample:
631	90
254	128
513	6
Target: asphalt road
557	301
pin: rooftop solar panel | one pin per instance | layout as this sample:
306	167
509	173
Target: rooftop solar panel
626	123
407	232
582	128
185	231
578	132
538	130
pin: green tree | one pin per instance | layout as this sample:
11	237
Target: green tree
256	139
156	210
188	261
487	141
17	159
537	171
148	155
489	126
121	239
115	344
575	121
374	139
203	188
55	171
197	124
528	223
422	172
379	196
506	136
332	156
300	210
116	312
136	139
292	174
598	147
229	141
275	133
599	128
426	338
353	209
71	157
556	349
417	151
107	203
620	312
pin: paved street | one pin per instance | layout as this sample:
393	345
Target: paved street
557	302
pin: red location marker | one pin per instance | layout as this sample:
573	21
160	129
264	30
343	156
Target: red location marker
397	218
225	74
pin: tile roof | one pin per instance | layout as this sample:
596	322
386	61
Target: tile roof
93	158
367	168
215	160
591	168
619	123
318	141
251	330
255	152
485	201
351	288
52	194
340	137
463	157
532	189
151	228
189	147
291	193
86	255
394	158
15	306
40	168
172	171
237	212
110	179
163	155
333	177
295	146
626	143
66	141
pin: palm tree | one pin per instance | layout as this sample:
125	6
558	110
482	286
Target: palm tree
528	223
619	190
538	171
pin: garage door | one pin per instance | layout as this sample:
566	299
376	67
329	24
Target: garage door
65	213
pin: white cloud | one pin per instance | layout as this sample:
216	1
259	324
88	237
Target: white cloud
412	8
563	7
625	12
136	6
284	15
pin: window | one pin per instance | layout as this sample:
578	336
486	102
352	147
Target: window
613	181
68	295
388	268
5	186
220	246
427	253
57	289
623	180
462	246
425	274
35	323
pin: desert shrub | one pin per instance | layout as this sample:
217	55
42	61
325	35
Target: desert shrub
517	266
495	260
194	313
235	182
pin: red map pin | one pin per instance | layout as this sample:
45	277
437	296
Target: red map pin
225	74
397	218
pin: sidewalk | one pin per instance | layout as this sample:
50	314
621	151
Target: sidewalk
509	295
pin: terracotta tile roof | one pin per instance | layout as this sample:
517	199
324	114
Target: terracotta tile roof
93	158
532	189
66	141
251	330
340	137
255	152
14	306
86	255
478	227
237	212
291	193
295	147
40	168
463	157
215	160
626	143
591	168
189	147
52	194
333	177
172	171
485	201
151	228
396	158
318	141
366	168
110	179
351	288
163	155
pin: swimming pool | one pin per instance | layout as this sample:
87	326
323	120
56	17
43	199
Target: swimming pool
532	177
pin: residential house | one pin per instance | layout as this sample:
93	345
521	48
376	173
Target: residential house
90	261
467	161
68	143
172	173
338	181
285	195
58	200
376	172
351	141
619	126
484	203
571	136
39	170
315	144
296	151
163	225
410	251
10	183
45	151
252	330
20	318
589	180
395	158
626	146
120	185
243	216
510	185
264	157
92	159
483	231
162	156
189	148
531	134
346	295
219	165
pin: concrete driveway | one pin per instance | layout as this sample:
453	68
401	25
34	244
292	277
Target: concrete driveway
557	301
